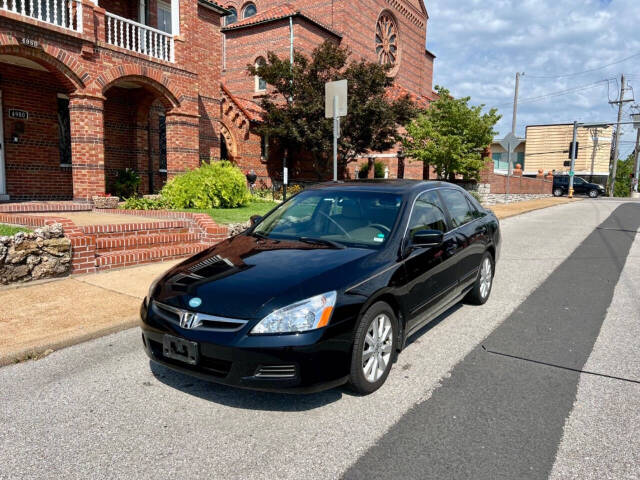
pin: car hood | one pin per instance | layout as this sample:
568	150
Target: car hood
247	277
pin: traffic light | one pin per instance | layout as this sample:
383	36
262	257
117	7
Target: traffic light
577	149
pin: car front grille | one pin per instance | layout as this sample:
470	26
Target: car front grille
276	371
201	322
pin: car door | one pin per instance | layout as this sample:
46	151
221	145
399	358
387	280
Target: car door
579	186
430	272
470	232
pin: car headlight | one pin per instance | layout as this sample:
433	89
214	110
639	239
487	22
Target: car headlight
310	314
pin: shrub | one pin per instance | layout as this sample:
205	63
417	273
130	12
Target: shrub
215	185
140	203
378	168
126	183
291	191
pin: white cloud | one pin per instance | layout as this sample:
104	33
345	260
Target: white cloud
480	45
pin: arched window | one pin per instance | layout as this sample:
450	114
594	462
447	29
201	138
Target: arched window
386	42
249	10
232	17
261	83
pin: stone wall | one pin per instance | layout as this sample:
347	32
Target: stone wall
44	253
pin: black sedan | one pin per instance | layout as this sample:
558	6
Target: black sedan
325	289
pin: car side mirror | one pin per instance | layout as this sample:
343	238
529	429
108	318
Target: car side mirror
255	219
427	238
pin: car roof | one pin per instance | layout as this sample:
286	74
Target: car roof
390	186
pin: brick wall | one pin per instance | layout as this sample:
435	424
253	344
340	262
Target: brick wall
496	184
33	164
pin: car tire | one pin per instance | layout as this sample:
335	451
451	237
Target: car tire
593	193
557	192
482	288
366	377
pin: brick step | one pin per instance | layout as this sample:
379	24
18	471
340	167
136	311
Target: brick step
142	240
147	255
142	233
136	228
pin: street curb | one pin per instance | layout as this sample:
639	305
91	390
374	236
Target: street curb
35	353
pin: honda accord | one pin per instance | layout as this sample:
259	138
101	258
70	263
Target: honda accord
325	289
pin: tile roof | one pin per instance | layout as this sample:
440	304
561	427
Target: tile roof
396	92
249	108
215	6
280	12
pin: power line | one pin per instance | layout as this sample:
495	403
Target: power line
586	71
559	93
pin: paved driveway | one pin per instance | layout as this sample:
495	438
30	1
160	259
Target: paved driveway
484	392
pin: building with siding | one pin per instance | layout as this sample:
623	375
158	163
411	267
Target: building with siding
546	148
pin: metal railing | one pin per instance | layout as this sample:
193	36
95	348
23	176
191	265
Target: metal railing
136	37
62	13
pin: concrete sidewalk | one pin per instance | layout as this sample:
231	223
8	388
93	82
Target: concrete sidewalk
38	318
45	316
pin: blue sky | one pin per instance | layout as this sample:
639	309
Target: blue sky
481	44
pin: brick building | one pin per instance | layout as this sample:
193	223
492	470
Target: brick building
385	31
88	88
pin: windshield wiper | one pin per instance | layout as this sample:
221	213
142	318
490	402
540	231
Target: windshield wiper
259	235
322	241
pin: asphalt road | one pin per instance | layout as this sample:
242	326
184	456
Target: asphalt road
562	304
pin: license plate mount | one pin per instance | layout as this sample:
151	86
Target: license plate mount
180	349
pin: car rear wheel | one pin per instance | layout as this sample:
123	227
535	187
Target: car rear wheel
374	349
593	193
482	288
557	192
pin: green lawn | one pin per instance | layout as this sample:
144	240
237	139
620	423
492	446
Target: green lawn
8	230
237	215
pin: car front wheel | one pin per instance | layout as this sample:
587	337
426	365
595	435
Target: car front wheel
373	349
557	192
593	193
482	288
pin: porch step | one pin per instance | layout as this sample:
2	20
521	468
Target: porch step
136	228
112	243
147	255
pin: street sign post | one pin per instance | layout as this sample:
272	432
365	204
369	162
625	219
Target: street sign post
510	143
336	106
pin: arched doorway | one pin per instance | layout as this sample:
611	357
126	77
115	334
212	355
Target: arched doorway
135	136
35	136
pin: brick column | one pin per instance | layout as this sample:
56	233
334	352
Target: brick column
87	145
183	151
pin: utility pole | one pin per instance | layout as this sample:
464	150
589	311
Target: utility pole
636	165
515	103
621	101
574	155
514	123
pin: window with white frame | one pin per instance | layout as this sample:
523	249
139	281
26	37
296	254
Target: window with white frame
249	10
261	83
232	17
164	17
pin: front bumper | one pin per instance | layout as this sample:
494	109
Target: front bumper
302	363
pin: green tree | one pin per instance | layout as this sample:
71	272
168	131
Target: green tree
451	136
623	177
295	105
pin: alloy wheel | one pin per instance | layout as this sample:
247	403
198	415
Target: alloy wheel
486	277
377	348
593	194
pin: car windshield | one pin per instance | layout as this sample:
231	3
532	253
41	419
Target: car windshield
341	218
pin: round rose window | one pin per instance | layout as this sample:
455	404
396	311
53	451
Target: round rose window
387	40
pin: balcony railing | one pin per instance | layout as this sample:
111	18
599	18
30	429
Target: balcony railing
62	13
134	36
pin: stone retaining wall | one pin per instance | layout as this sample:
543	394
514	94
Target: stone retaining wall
44	253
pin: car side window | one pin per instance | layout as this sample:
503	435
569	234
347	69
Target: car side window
427	214
578	181
458	207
